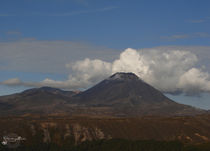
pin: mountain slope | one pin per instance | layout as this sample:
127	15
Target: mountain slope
36	100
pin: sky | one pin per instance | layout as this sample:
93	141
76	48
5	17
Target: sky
74	44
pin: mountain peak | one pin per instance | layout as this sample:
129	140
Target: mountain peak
123	76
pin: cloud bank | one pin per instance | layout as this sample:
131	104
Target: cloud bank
170	71
29	55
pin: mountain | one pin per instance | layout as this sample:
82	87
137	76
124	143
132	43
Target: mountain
122	94
122	88
125	93
36	101
48	90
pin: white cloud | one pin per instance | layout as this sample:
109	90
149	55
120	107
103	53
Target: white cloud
86	73
194	80
167	69
131	61
91	69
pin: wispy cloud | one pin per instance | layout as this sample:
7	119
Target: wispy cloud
202	20
82	2
81	12
6	15
186	36
202	35
66	13
13	33
197	21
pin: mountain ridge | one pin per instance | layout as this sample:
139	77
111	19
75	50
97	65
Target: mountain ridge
122	94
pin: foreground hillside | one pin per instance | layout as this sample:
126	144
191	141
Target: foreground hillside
113	145
62	129
108	133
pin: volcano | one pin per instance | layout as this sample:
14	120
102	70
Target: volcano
128	94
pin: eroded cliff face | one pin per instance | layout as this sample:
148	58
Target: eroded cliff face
53	132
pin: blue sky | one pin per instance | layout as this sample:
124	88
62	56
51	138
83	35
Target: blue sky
39	38
112	23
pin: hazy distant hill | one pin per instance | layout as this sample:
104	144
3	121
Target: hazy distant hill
122	94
